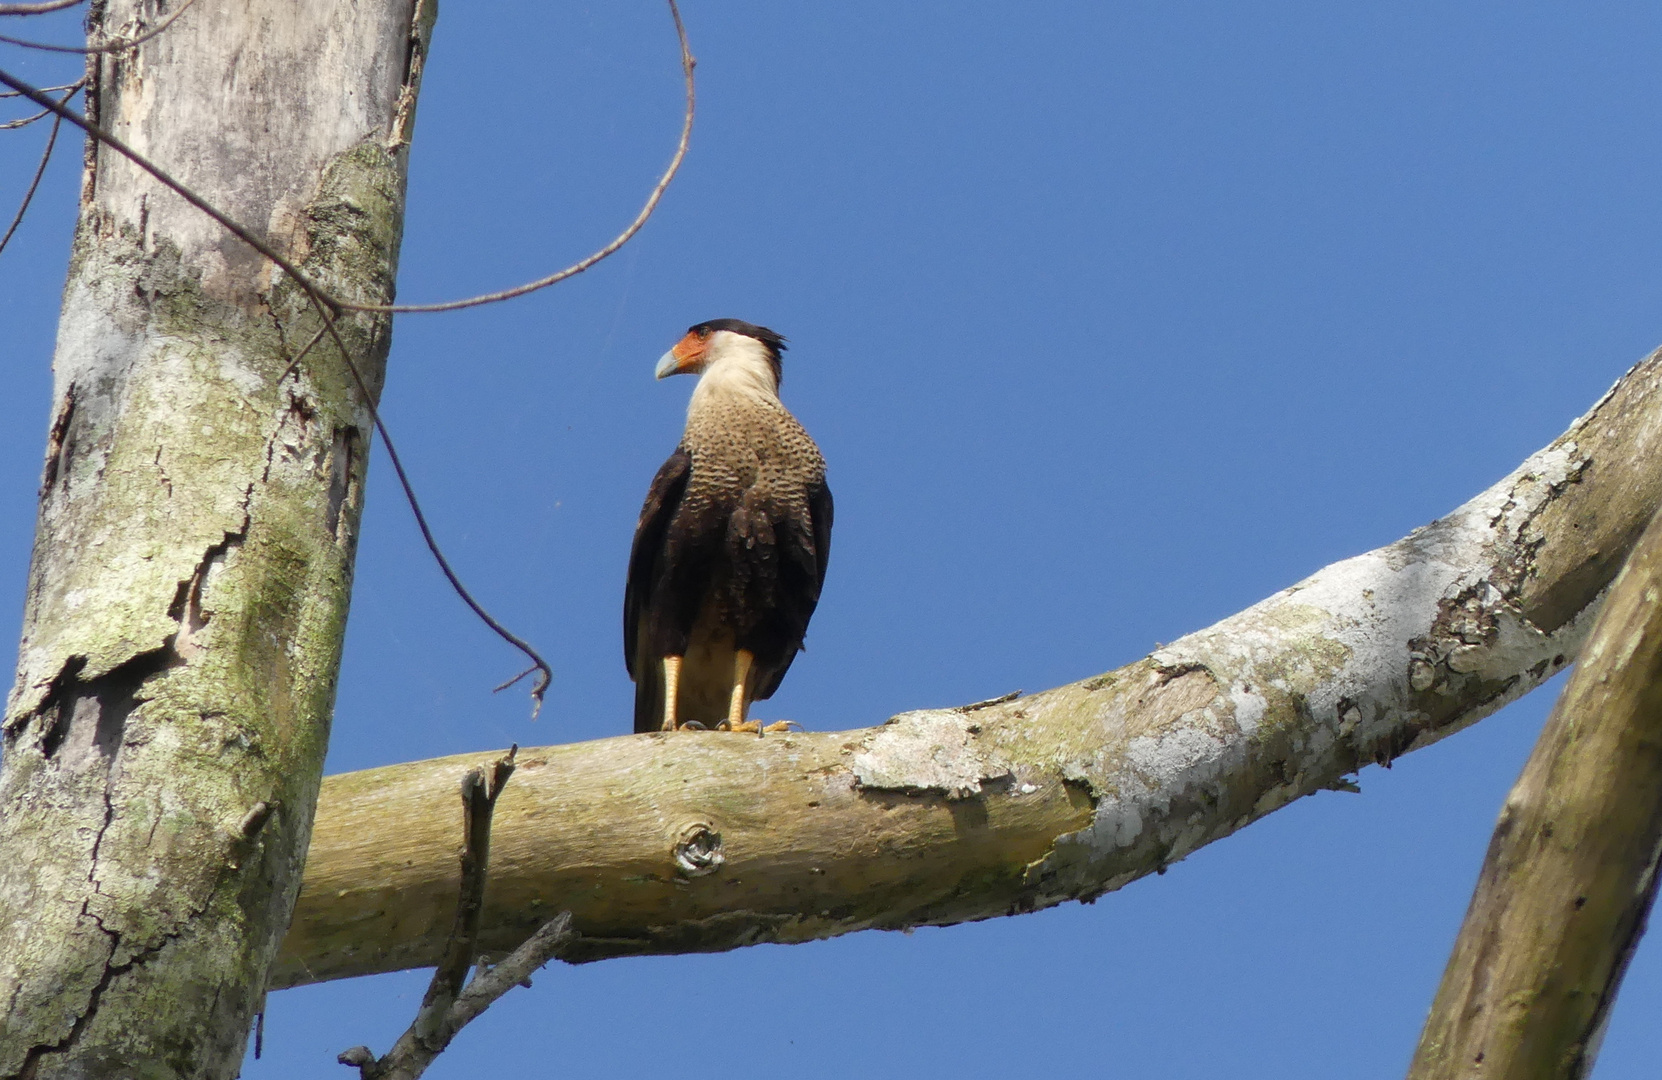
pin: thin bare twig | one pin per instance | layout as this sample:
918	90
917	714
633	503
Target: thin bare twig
447	1007
37	9
327	307
503	686
545	674
73	88
40	171
687	65
40	45
45	89
109	45
98	134
13	125
301	355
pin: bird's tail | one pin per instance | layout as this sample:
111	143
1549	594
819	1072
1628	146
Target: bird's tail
649	695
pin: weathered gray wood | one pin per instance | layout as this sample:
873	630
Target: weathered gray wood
696	842
198	519
1570	875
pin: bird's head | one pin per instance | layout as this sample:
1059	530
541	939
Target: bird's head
720	340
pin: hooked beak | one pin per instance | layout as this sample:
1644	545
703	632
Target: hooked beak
687	356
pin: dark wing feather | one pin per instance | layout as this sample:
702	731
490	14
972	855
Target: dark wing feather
820	512
662	499
799	593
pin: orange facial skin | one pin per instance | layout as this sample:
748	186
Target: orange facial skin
687	357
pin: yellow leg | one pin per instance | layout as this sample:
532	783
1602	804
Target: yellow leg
672	689
739	703
738	708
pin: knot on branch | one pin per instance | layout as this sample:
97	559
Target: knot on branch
698	850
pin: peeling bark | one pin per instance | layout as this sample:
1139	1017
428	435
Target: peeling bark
164	738
686	842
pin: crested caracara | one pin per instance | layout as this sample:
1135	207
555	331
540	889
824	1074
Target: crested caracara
730	551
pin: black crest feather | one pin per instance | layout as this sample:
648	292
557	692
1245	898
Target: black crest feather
775	342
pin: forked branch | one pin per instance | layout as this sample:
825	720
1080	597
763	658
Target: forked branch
447	1007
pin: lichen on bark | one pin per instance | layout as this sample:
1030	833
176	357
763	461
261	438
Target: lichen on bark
193	561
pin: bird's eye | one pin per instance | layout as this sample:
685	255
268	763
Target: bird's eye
703	332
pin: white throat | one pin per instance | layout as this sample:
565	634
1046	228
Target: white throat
738	367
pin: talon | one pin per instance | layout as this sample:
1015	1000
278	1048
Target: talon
779	727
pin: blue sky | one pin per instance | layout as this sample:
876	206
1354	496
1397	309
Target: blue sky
1111	319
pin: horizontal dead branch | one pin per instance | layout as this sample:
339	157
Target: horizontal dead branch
697	842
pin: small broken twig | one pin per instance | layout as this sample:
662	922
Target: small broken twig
990	702
480	788
447	1007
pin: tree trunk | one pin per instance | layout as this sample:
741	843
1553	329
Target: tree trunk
698	841
1571	872
199	511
